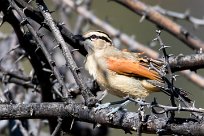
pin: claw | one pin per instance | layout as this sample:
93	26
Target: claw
114	110
119	107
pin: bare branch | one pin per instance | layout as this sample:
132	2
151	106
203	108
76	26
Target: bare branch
192	62
121	119
154	16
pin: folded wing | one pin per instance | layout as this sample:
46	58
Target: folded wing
131	68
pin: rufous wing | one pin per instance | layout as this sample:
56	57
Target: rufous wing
131	68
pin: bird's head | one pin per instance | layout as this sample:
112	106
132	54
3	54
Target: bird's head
96	40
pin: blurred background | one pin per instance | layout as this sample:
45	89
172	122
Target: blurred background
128	22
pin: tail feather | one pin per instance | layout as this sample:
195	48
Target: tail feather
176	92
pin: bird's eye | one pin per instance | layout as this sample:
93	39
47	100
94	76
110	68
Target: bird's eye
93	37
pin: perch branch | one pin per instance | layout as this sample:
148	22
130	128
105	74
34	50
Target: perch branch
121	119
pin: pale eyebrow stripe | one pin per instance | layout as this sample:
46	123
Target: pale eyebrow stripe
100	37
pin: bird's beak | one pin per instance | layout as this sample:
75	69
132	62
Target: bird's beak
79	38
87	44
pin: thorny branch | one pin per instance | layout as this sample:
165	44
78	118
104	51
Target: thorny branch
89	98
183	16
44	66
121	119
154	16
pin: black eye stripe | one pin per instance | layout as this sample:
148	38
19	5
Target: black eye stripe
99	37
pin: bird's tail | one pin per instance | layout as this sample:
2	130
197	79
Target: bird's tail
171	90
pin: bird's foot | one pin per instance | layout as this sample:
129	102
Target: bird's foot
102	106
114	110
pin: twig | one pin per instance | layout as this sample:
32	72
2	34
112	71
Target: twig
184	16
15	75
17	81
81	19
172	78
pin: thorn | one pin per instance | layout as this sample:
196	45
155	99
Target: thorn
143	18
54	40
42	25
40	35
186	14
155	39
51	12
98	125
154	102
9	7
21	57
67	65
57	92
199	51
30	1
58	45
61	24
14	48
94	125
31	111
170	55
185	32
24	9
179	107
51	52
78	69
51	75
52	63
23	22
164	47
37	48
62	77
47	70
193	104
174	77
158	32
72	124
74	50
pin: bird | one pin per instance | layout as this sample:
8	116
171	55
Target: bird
121	72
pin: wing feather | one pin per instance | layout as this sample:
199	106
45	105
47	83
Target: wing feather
131	68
